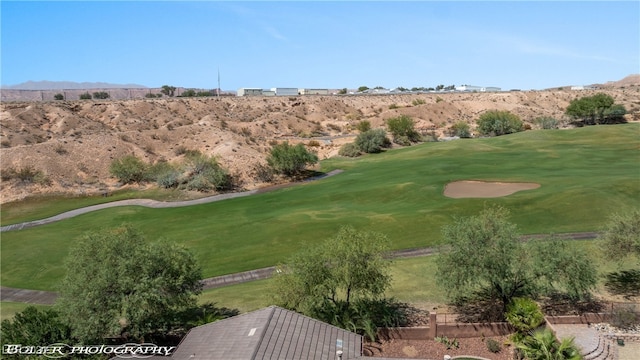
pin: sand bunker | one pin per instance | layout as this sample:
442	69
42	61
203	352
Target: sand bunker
481	189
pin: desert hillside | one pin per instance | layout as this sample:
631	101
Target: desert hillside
74	142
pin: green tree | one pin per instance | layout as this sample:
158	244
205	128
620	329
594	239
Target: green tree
290	160
484	257
621	235
35	327
342	91
101	95
591	109
188	93
129	169
372	141
496	123
339	281
58	96
119	285
403	127
363	88
85	96
559	266
168	90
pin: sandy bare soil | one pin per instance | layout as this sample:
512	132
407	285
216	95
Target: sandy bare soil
74	142
431	349
481	189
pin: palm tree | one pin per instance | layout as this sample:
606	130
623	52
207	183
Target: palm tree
543	345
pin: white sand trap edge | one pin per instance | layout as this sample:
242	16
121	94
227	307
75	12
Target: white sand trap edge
482	189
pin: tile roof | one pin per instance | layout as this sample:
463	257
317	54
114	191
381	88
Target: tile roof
269	333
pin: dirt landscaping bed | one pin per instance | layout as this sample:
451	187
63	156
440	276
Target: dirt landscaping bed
433	350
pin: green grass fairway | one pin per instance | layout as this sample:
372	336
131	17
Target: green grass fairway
585	175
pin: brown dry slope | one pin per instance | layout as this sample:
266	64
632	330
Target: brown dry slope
74	142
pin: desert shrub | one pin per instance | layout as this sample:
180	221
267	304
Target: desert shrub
393	106
129	169
349	150
7	173
165	174
546	122
460	129
58	96
263	173
290	160
313	143
204	93
448	343
180	150
363	126
152	95
206	174
417	102
403	126
85	96
439	99
402	140
101	95
60	149
624	317
496	123
493	346
5	143
26	173
372	141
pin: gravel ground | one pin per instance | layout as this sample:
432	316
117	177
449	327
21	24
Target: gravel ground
433	350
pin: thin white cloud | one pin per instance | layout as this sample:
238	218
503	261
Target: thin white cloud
274	33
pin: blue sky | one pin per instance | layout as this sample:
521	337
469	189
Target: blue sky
509	44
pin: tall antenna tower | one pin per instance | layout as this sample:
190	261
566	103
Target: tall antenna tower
218	83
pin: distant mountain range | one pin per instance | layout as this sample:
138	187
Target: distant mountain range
69	85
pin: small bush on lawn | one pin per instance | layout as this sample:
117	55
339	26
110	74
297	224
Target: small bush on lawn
349	150
129	169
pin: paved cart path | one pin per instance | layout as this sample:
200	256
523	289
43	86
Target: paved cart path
154	204
49	297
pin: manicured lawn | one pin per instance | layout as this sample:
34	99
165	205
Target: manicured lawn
8	309
585	175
